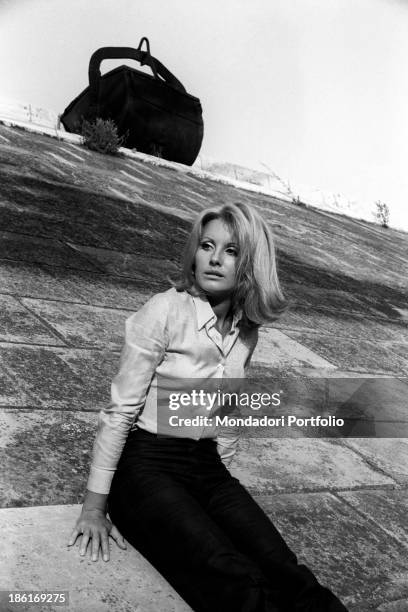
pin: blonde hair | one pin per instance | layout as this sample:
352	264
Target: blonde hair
257	291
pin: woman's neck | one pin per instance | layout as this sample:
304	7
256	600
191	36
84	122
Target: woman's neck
221	308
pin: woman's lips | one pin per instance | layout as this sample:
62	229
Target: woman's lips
213	274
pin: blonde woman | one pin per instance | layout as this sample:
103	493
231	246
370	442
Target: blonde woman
167	489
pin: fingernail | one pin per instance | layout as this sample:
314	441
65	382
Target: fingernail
105	558
94	558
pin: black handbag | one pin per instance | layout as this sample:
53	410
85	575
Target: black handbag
153	114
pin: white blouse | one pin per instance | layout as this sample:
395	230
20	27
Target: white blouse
172	337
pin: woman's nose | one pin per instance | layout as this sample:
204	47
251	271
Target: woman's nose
215	257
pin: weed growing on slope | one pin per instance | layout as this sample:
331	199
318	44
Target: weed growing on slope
382	213
101	135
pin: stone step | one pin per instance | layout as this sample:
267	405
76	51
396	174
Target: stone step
38	559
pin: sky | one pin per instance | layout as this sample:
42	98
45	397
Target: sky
315	90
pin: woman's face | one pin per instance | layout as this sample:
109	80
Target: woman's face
216	259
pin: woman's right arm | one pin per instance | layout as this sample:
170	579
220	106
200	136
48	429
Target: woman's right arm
146	341
145	344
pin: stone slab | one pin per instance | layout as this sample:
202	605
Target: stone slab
272	465
141	170
17	247
120	225
130	239
337	324
117	263
96	370
389	455
378	404
278	350
399	348
27	280
293	318
348	552
82	325
17	324
63	284
22	220
66	150
371	407
164	203
344	550
349	353
104	290
46	377
130	187
393	330
45	456
306	295
403	313
386	508
395	606
38	558
11	393
344	373
127	175
380	292
62	160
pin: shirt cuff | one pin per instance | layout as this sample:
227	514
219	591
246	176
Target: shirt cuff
227	447
100	479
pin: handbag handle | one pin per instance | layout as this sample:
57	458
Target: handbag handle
160	72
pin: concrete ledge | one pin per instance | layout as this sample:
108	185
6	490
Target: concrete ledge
36	557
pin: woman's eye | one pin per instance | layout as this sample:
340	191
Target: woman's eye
205	245
232	251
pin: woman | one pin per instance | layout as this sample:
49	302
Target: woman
171	495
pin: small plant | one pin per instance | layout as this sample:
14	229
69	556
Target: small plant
383	213
101	135
298	201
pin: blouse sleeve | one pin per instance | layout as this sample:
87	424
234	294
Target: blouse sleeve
145	344
228	438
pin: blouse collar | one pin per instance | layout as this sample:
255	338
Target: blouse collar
205	313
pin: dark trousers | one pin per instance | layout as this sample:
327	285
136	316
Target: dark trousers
178	505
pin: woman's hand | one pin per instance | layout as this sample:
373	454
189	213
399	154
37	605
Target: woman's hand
94	525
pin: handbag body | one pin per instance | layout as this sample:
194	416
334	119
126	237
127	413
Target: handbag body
153	113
